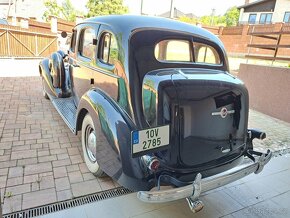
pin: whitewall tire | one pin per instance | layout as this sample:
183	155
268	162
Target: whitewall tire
89	146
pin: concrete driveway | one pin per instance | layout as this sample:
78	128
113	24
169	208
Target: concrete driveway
41	160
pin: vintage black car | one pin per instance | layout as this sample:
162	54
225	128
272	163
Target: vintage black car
155	106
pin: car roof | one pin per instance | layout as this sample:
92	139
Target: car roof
130	23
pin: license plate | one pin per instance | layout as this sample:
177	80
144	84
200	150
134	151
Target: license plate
148	139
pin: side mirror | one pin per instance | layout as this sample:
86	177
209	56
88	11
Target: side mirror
63	34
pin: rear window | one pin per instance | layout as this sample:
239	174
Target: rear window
186	51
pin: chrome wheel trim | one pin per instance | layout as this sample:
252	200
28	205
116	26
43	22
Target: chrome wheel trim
90	139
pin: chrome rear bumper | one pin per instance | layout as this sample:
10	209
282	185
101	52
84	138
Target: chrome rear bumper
202	185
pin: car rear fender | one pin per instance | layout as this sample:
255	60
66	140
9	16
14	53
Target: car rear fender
113	130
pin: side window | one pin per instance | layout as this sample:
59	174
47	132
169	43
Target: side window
108	50
73	41
87	43
205	54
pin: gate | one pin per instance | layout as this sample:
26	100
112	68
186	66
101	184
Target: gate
20	42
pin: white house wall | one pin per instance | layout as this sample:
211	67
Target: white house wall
281	7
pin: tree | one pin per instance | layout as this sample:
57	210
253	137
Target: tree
65	10
232	16
213	20
105	7
52	9
188	20
68	11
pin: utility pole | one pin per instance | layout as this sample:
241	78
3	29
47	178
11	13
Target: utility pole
15	2
171	10
8	11
141	7
212	16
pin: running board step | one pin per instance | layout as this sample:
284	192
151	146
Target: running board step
67	110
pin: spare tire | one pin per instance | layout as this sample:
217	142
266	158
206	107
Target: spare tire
57	70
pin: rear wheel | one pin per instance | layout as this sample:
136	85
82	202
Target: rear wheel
89	145
43	90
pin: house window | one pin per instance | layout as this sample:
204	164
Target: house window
252	18
87	44
287	17
108	52
265	18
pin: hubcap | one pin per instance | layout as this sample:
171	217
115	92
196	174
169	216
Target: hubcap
91	144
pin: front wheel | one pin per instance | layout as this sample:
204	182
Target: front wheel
89	145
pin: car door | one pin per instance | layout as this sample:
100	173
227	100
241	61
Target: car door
109	73
83	63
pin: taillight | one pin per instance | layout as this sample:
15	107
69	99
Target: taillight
151	162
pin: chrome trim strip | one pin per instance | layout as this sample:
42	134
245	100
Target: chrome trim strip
96	69
219	113
206	184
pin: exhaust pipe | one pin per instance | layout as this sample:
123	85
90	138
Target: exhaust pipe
195	205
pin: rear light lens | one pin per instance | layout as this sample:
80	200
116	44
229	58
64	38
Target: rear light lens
151	162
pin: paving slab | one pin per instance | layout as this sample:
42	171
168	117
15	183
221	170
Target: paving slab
85	188
38	198
278	132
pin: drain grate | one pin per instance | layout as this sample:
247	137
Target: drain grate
50	208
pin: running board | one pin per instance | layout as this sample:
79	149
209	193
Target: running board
67	110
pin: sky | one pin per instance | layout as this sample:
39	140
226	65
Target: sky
156	7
